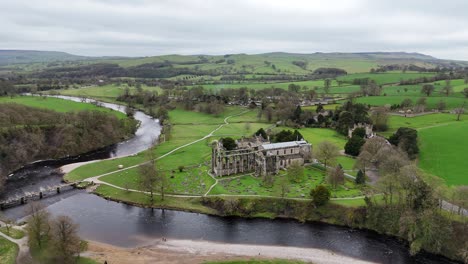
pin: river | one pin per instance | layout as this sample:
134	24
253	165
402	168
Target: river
129	226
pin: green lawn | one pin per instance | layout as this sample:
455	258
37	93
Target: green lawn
191	204
14	233
192	181
383	78
443	152
419	122
317	135
432	101
252	185
110	91
8	251
56	104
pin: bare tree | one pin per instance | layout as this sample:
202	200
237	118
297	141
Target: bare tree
326	152
38	227
447	89
66	243
148	179
336	176
427	89
459	111
296	172
363	161
284	185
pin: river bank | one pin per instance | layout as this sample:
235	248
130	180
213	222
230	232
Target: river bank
190	251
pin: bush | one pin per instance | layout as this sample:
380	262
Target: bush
360	177
320	195
354	144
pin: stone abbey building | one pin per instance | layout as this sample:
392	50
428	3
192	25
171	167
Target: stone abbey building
258	156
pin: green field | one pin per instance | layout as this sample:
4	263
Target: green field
14	233
317	135
423	121
8	251
432	101
195	179
384	78
251	185
443	152
56	104
105	92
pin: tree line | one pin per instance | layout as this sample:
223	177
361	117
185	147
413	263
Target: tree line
28	134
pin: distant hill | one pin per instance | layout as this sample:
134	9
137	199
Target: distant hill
10	57
287	63
231	64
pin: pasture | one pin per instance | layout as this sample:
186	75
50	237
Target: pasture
251	185
106	92
8	251
432	101
56	104
443	152
384	78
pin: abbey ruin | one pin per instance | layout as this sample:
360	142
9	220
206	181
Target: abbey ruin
258	156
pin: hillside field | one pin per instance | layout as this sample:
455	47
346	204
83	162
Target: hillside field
56	104
443	152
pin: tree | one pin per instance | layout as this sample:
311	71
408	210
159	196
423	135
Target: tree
359	132
295	172
319	108
360	177
447	89
269	113
284	185
465	92
407	140
427	89
38	227
320	195
336	176
148	179
406	103
326	152
459	111
353	146
379	117
345	121
441	105
326	85
228	143
294	88
261	132
66	243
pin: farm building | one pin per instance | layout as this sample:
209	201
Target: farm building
258	156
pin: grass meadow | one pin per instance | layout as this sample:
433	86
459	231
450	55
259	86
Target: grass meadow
8	251
443	152
56	104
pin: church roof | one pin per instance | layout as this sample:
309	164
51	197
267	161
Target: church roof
284	145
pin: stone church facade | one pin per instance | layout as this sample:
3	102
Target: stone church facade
258	156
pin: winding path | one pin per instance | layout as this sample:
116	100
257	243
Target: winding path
23	253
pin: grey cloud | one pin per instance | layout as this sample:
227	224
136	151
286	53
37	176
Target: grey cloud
145	27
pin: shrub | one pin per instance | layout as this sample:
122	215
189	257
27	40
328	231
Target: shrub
320	195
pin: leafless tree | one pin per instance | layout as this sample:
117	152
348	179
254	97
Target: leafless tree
335	176
459	111
38	227
66	243
326	152
148	179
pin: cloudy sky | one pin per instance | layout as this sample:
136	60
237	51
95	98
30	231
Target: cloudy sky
154	27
